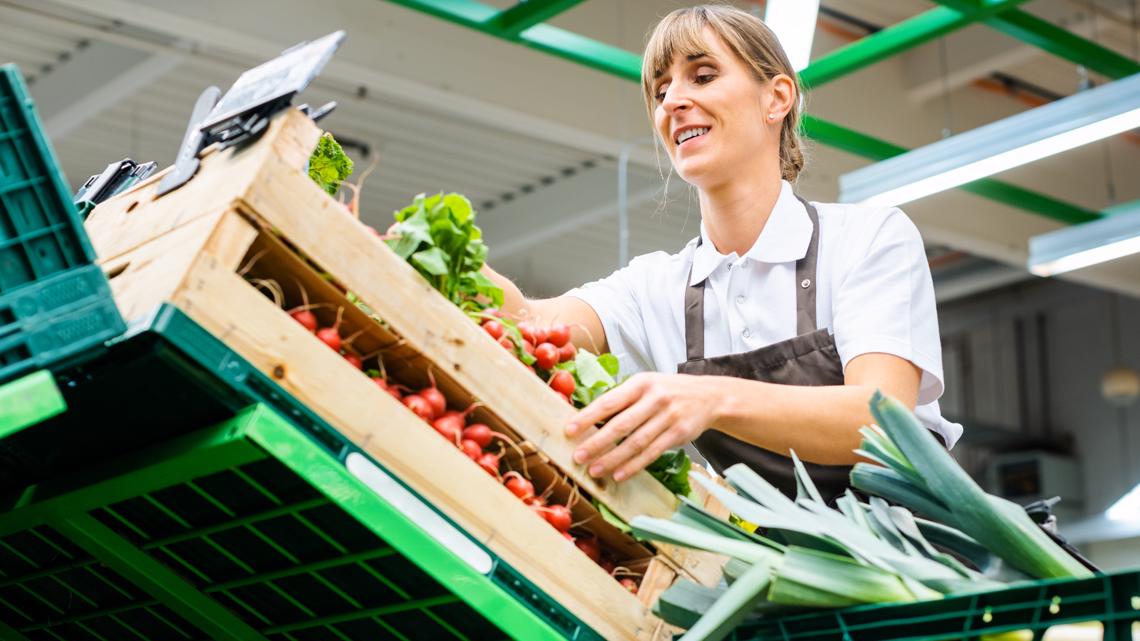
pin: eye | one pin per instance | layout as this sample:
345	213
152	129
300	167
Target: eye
704	75
660	95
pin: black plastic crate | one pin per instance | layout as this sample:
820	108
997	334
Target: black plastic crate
47	266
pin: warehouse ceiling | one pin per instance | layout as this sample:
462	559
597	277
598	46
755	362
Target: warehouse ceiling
534	139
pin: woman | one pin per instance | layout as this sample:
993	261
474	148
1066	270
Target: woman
771	330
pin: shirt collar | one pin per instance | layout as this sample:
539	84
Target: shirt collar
785	238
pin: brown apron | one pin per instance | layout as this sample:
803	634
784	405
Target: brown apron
808	359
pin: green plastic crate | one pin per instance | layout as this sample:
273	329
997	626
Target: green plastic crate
53	300
148	396
1111	599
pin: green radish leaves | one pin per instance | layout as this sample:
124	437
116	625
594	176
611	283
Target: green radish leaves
672	469
329	166
438	236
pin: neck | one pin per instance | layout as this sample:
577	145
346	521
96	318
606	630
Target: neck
736	212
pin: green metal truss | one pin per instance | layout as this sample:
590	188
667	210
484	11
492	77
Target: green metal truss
1052	38
101	539
896	39
857	55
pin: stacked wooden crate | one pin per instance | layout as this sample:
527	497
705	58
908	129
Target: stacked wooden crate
251	217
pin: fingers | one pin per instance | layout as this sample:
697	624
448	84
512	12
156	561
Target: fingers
645	438
624	424
606	406
646	457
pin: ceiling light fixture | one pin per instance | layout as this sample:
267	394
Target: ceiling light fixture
1077	120
793	21
1114	236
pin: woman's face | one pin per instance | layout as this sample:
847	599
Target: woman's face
712	116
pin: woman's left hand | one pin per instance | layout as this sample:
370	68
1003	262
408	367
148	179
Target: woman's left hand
653	412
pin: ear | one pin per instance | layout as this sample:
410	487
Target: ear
783	91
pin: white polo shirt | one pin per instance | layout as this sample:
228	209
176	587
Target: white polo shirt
874	294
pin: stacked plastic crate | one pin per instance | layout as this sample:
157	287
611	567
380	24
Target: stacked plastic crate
54	301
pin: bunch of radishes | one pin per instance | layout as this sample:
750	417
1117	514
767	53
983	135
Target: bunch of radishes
542	348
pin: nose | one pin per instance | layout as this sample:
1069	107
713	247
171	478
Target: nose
676	98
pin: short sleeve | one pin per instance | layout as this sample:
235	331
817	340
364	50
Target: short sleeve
615	299
885	300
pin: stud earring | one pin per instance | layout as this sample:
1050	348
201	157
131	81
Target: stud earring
771	116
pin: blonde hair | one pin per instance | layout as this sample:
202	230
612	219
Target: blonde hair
682	33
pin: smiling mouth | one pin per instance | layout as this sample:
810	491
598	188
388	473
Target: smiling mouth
691	133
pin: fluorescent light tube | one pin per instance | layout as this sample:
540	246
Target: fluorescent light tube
1114	236
793	21
1127	508
1068	123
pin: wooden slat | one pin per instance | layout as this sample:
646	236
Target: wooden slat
134	217
232	309
288	201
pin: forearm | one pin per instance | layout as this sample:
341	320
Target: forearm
820	423
514	302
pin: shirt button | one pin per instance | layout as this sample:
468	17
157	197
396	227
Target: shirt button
746	332
740	300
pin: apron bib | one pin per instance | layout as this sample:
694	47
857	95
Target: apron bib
810	358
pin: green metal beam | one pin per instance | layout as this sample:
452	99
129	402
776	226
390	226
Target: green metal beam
860	144
156	579
895	39
527	13
626	64
27	401
1054	39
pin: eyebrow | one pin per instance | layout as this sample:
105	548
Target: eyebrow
690	58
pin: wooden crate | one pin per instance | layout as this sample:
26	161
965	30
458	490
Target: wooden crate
253	214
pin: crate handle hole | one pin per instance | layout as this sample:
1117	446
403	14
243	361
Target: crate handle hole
131	207
117	270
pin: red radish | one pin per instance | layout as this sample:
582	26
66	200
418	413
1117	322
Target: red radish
546	355
528	347
518	485
450	426
354	360
540	335
471	449
568	399
419	406
629	584
590	547
479	433
536	502
507	343
527	331
494	328
559	516
330	336
489	461
563	382
567	353
435	399
391	389
568	537
608	564
559	335
307	319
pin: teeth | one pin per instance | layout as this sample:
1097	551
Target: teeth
691	133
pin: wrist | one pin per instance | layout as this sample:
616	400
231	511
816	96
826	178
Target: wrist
726	408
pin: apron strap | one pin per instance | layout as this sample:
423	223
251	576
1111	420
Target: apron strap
806	277
805	294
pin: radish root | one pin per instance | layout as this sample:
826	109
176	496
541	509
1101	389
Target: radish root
244	269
